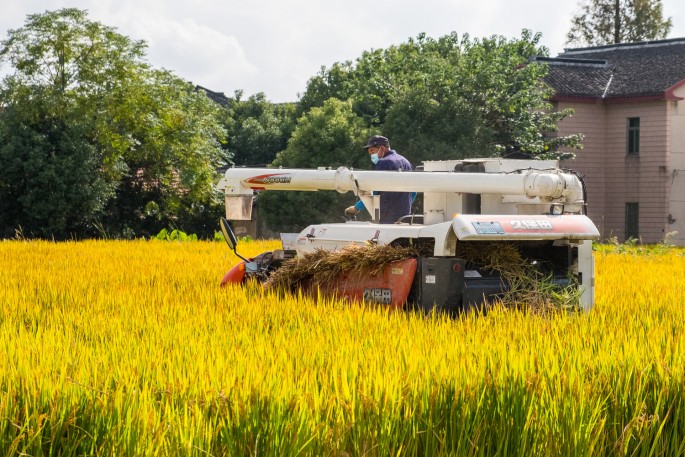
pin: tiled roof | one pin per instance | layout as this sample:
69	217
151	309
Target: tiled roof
646	69
217	97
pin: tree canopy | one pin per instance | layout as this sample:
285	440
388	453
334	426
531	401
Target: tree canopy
446	98
328	136
603	22
96	140
451	97
257	129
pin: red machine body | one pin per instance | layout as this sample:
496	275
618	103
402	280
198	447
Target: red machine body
390	287
235	275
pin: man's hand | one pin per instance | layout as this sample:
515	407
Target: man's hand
351	210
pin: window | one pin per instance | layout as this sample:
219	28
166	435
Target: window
633	135
632	218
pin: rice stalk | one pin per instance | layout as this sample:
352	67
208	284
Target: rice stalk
529	288
322	266
131	348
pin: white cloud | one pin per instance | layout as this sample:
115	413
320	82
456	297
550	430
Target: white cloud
275	46
214	59
190	49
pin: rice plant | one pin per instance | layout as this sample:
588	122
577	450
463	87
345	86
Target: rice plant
131	348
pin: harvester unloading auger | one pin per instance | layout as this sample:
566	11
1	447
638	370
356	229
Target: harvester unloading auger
473	211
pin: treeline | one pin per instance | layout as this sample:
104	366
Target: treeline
95	142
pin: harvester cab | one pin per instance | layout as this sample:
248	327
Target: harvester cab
478	214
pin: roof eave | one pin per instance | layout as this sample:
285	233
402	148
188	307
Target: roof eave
665	96
670	92
575	98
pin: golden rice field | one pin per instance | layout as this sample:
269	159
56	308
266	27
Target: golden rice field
130	348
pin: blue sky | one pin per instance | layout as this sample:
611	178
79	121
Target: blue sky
275	46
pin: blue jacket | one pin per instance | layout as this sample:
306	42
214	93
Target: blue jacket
394	205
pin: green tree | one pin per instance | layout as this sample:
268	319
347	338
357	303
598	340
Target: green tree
174	149
603	22
85	120
451	97
327	136
335	82
257	129
50	180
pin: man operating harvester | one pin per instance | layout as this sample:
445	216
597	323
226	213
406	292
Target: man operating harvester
394	205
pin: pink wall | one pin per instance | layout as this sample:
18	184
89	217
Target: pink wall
612	176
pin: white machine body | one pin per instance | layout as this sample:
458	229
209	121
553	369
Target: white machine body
463	200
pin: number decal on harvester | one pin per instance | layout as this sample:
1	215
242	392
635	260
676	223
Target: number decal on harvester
378	295
488	228
531	224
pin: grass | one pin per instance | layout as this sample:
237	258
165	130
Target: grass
131	348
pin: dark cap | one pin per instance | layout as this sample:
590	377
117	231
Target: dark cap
376	140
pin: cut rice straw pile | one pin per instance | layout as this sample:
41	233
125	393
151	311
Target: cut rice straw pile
321	266
528	287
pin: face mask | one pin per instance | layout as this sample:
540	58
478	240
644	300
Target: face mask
374	158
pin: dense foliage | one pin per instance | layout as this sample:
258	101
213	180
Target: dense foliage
450	97
618	21
445	98
257	129
94	140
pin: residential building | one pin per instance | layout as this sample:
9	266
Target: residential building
629	102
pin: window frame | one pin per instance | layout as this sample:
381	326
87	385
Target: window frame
632	220
633	136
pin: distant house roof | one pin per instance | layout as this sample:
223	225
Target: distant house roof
217	97
646	70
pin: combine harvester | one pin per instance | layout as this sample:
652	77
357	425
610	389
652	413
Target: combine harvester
473	205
